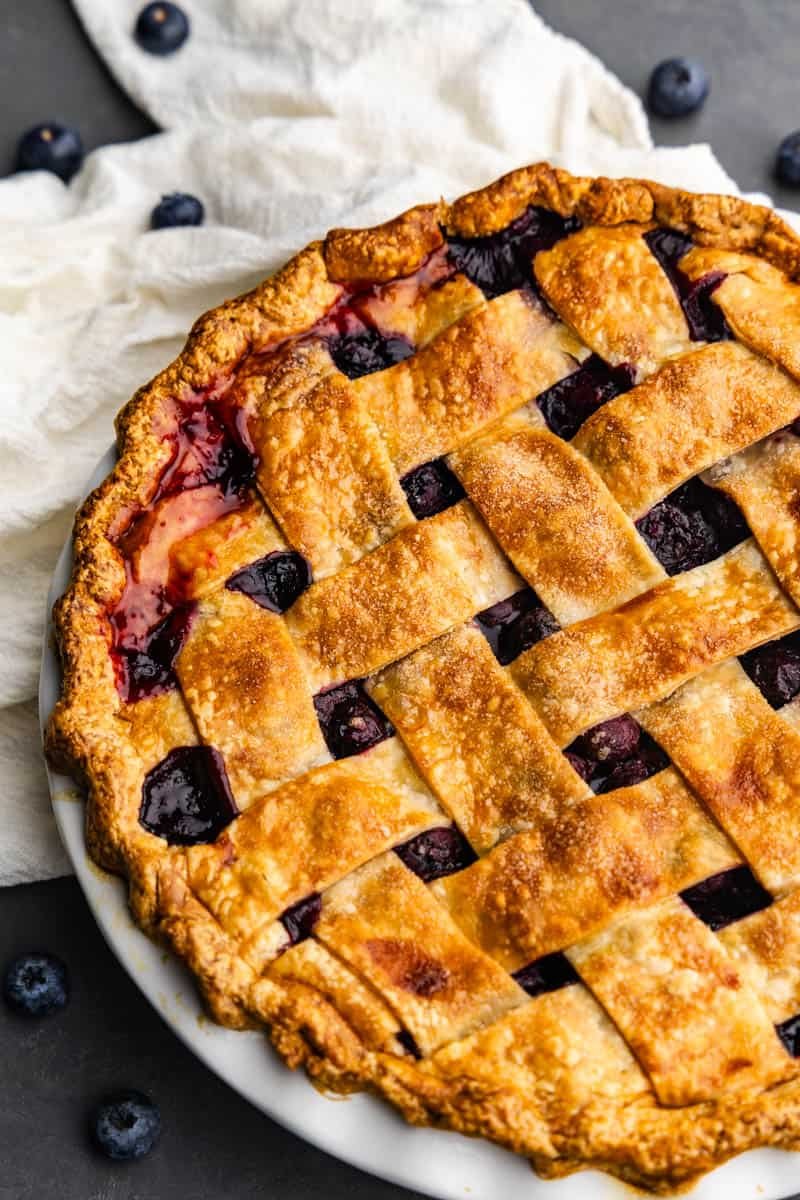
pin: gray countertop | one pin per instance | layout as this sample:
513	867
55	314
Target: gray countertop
214	1143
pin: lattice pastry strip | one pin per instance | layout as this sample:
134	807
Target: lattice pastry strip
203	561
327	477
607	285
759	302
241	675
541	891
689	1016
431	576
314	968
305	836
557	521
384	921
764	480
697	409
742	760
491	362
618	661
477	741
560	1049
766	949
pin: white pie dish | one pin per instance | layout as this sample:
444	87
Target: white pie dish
360	1130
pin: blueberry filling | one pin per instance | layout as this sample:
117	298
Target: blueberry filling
436	853
727	897
275	581
500	262
546	974
299	919
209	450
705	319
149	670
571	401
431	488
368	350
186	798
616	754
775	669
789	1033
408	1042
693	525
516	624
350	721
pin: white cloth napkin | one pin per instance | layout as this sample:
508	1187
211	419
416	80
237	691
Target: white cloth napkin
285	117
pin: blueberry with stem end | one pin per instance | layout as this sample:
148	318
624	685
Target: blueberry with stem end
125	1125
51	147
678	86
178	208
36	984
161	28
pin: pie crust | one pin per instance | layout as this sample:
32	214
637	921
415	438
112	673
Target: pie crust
650	1049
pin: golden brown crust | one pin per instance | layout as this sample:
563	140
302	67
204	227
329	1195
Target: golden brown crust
547	1105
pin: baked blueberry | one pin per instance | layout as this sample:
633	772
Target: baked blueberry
36	984
178	208
350	720
678	86
611	742
516	624
357	354
787	163
275	581
161	28
437	852
51	147
499	262
775	670
431	488
125	1125
299	919
726	897
186	798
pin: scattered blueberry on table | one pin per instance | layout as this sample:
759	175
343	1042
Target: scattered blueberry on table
36	984
787	164
179	208
125	1125
51	147
678	86
161	28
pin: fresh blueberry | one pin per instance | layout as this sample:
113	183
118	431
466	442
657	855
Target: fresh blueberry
787	164
178	208
677	87
51	147
161	28
126	1125
36	984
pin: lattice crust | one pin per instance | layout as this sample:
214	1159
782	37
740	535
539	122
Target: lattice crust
346	524
699	409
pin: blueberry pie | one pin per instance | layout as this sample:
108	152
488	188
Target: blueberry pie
432	657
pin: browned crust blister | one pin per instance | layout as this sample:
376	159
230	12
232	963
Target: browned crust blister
88	733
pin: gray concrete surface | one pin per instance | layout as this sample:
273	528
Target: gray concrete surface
215	1144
